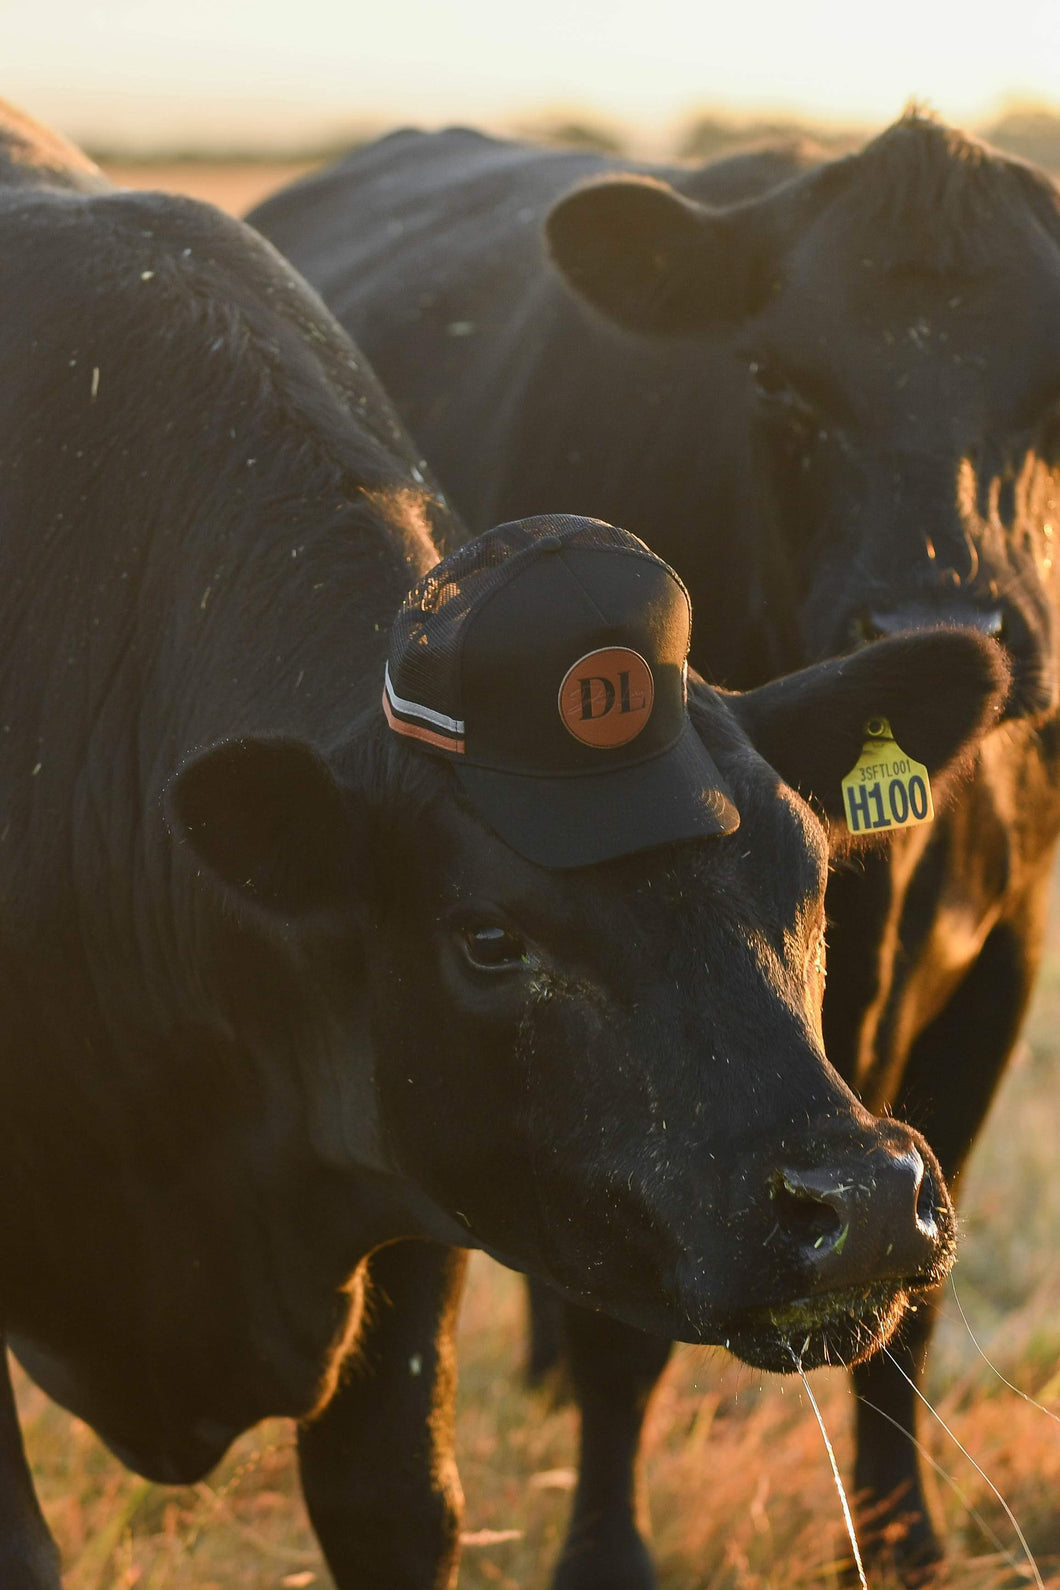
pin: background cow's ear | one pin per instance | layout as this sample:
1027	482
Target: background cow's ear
941	691
267	818
650	260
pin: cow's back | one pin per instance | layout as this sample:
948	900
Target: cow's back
419	204
409	209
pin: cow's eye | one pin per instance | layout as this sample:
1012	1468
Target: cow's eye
494	949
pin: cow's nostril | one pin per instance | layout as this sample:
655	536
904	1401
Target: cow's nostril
927	1203
862	1217
807	1219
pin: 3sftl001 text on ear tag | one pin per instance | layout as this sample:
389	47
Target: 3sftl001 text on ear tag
885	788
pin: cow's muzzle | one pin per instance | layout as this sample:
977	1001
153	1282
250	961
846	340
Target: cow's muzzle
857	1231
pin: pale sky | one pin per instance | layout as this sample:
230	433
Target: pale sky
265	72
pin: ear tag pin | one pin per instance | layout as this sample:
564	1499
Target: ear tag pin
885	788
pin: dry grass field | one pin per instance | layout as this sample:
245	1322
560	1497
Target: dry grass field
741	1497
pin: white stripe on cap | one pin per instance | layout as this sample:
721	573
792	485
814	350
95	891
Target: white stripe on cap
414	710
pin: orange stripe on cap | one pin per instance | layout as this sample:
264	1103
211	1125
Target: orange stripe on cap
414	732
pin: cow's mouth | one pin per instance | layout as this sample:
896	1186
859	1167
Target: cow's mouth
839	1328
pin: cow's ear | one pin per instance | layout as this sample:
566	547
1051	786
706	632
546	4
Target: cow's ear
652	261
268	819
941	691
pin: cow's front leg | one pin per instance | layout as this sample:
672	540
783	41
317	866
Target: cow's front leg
615	1370
895	1523
953	1071
28	1556
545	1350
377	1464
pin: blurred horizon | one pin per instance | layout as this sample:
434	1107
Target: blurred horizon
1030	131
233	78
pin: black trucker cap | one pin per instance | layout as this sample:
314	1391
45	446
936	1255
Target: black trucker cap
547	660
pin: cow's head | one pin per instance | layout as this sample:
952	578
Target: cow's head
896	315
611	1075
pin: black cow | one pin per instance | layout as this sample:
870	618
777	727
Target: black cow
275	997
829	395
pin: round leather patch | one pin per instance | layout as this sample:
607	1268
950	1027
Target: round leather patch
605	700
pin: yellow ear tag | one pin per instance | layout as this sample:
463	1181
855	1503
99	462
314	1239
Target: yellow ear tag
885	788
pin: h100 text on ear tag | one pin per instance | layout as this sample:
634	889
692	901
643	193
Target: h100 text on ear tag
885	788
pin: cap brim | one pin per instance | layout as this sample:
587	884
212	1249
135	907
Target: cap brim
578	820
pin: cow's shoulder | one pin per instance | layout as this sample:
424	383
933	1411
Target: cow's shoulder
90	232
159	269
154	327
33	156
124	270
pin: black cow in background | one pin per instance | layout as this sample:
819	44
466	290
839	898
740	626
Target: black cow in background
277	1003
830	395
